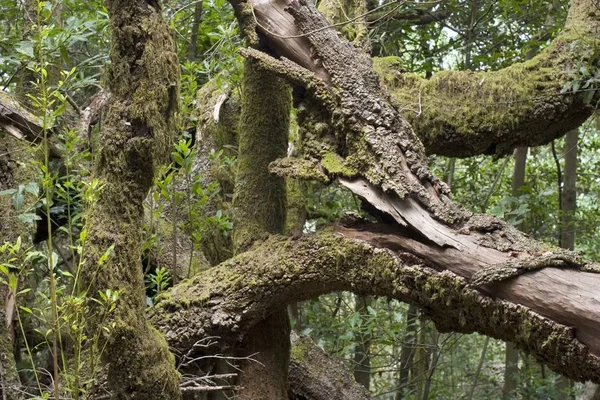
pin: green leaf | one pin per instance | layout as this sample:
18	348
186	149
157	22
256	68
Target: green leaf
28	218
25	48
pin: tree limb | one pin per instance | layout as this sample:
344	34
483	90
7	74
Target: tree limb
229	299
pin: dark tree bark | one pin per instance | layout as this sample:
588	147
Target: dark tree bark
511	353
195	27
362	350
136	136
407	352
568	206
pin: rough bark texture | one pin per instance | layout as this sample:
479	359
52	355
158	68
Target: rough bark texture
363	141
234	296
315	375
259	208
135	139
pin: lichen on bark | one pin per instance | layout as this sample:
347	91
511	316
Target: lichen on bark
135	139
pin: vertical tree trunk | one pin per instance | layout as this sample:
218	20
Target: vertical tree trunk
407	352
194	35
569	193
136	136
511	354
362	351
259	207
567	223
435	356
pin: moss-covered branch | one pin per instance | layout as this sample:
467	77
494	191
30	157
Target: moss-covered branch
462	113
234	296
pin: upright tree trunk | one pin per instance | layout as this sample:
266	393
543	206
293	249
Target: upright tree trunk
362	351
567	224
136	136
195	27
259	208
407	352
511	354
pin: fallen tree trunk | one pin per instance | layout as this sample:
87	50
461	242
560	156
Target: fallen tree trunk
227	301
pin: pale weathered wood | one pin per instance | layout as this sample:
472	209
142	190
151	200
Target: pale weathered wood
18	121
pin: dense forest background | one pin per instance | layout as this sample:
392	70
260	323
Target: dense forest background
53	57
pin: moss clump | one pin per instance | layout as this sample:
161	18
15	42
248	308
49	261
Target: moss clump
336	165
462	113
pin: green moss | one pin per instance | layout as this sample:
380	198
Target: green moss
473	113
259	197
299	351
336	165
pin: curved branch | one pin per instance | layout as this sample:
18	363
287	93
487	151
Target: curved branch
462	113
234	296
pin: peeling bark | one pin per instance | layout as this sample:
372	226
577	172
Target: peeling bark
233	297
361	140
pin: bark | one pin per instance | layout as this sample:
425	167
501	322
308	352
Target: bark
135	139
236	295
13	170
17	121
194	35
407	352
568	205
362	351
569	192
370	149
315	375
511	353
259	207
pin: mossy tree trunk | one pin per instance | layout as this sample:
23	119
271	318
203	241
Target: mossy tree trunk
136	135
259	208
12	171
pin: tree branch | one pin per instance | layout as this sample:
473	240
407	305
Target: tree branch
229	299
462	113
